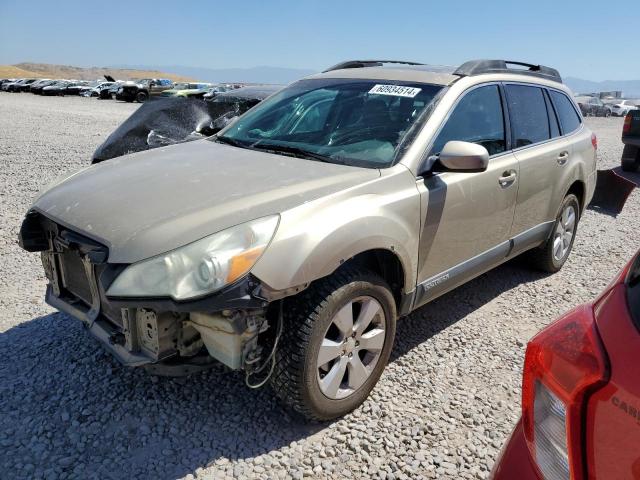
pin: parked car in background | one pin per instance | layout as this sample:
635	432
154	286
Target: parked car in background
18	84
621	108
112	91
631	141
74	88
96	90
197	92
581	393
6	81
24	87
9	81
141	90
36	84
214	91
287	245
593	106
56	88
183	89
37	88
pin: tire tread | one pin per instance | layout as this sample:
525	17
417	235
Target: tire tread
300	314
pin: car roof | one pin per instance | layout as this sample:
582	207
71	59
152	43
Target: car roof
436	75
493	70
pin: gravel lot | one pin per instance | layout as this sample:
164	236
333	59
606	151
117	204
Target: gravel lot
443	408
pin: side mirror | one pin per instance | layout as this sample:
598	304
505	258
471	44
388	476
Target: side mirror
464	156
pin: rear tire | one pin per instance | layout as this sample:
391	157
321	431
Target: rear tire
323	366
141	97
551	256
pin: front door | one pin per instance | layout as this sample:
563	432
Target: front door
468	216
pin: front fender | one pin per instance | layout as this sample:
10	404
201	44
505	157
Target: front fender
314	239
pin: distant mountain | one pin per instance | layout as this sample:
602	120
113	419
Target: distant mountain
630	88
261	74
46	70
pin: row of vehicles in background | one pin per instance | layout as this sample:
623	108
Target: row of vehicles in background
128	91
45	86
595	107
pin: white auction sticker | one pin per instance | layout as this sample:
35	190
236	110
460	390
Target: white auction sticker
395	90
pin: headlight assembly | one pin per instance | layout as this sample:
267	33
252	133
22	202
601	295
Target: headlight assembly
199	268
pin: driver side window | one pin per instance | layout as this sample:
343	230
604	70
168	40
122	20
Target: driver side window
477	118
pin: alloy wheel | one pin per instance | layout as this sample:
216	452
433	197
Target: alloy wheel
351	347
565	229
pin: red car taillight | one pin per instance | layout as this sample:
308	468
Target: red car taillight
563	363
627	123
594	141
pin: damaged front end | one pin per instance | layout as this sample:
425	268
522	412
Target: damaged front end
231	326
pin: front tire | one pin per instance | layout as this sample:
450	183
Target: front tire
141	97
551	256
337	338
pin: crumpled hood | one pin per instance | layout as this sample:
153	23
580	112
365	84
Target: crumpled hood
150	202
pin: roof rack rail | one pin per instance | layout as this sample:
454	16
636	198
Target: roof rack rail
367	63
476	67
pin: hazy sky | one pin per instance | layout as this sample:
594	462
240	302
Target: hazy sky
586	39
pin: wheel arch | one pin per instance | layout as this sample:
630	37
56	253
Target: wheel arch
578	188
386	264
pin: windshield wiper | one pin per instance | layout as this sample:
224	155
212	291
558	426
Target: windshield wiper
296	152
232	142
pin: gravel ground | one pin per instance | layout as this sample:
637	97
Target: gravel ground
443	408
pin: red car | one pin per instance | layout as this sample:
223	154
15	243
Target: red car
581	393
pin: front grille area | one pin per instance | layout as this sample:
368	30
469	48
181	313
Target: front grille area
74	276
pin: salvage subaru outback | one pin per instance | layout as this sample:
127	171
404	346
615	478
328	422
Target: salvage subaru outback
288	244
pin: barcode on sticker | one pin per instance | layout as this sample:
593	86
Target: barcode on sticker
395	90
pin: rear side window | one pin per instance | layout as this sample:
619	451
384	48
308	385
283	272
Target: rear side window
528	114
477	118
569	119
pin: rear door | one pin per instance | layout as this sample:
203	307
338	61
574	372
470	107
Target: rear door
542	154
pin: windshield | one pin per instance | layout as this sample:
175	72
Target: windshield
353	122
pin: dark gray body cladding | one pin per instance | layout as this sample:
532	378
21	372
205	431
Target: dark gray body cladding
446	281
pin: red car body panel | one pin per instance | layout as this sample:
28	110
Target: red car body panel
612	413
515	459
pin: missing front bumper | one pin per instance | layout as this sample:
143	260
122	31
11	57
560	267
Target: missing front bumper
101	329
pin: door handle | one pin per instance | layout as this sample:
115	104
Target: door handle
507	179
562	158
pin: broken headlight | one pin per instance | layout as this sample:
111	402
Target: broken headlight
199	268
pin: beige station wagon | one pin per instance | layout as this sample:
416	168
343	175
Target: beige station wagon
288	244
